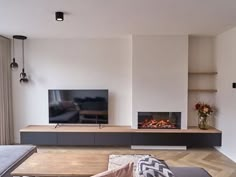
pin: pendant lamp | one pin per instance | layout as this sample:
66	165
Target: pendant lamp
13	65
23	75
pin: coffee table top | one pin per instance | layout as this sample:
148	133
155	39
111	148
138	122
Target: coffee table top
62	164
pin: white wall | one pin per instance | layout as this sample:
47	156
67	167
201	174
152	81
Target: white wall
201	59
142	73
226	95
73	64
160	75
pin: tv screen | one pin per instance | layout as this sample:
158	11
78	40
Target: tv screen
78	106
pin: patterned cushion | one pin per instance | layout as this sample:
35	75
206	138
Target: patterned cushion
118	160
123	171
152	167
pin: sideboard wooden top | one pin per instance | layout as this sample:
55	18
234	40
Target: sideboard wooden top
111	129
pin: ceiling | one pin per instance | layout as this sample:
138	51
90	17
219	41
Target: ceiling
107	18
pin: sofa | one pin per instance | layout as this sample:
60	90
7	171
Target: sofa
11	156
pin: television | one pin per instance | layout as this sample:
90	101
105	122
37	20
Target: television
78	106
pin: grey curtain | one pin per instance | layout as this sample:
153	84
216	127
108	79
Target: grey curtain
6	120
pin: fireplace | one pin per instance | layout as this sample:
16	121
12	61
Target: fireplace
159	120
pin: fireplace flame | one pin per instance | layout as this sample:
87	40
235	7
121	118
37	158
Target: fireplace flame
161	124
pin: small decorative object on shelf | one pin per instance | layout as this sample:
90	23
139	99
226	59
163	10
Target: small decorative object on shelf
204	111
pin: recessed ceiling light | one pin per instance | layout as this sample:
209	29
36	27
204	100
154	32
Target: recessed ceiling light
59	16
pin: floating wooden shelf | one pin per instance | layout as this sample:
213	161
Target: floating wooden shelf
202	73
202	90
109	129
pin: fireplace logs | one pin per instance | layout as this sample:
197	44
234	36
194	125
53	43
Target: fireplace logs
159	120
159	124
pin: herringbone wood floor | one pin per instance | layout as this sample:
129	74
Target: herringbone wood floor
213	161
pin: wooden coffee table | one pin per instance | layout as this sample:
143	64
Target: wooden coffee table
62	164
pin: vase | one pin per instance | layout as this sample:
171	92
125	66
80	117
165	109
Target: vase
203	122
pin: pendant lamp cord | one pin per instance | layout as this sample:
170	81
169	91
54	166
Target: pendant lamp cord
13	48
23	54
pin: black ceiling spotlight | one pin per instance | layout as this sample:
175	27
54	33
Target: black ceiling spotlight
13	64
23	75
59	16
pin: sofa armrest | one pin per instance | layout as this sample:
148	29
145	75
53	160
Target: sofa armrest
14	155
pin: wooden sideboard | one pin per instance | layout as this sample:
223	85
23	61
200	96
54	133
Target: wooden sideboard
73	135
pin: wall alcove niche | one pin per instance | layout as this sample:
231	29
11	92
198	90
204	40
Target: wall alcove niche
201	75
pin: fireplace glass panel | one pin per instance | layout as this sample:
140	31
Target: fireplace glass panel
159	120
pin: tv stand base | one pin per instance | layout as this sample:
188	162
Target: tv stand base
99	126
57	125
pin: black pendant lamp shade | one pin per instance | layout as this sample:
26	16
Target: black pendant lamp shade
13	64
59	16
23	75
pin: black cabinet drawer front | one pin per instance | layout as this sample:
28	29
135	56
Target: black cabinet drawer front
119	139
204	139
178	139
162	139
75	139
39	138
